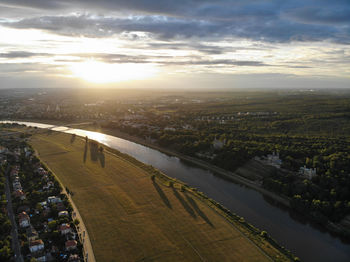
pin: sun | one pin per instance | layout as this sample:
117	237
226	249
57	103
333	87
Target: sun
99	72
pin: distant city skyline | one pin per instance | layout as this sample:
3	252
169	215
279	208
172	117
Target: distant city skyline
175	44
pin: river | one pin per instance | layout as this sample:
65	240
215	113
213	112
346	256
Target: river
304	240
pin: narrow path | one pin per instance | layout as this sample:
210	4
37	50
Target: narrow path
83	233
88	252
14	232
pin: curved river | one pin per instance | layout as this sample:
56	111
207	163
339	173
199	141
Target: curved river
304	240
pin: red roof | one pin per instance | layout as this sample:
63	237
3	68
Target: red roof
36	242
19	193
71	243
64	227
23	215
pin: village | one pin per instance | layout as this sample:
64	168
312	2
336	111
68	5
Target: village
44	217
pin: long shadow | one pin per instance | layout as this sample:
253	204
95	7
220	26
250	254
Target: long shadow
72	139
101	157
184	203
197	209
162	195
93	151
85	151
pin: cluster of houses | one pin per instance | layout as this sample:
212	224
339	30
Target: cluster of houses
236	116
16	183
274	160
38	248
35	244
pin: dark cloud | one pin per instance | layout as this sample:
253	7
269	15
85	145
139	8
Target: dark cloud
321	15
167	28
7	68
218	62
263	20
21	54
165	59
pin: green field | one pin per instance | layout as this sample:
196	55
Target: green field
129	217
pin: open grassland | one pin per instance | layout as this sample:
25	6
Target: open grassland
131	217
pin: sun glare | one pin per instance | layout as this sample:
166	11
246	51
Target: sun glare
98	72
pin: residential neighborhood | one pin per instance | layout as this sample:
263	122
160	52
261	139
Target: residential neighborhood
43	214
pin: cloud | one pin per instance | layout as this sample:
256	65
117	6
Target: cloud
269	21
321	15
21	54
167	28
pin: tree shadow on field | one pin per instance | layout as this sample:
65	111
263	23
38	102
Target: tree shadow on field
162	195
85	152
72	139
197	209
93	151
184	203
96	153
101	157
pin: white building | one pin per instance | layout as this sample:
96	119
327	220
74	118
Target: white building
36	245
23	219
307	172
218	144
274	159
53	200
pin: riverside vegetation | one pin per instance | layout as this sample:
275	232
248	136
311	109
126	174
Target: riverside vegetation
307	129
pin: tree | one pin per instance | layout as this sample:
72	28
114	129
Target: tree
52	224
5	253
76	222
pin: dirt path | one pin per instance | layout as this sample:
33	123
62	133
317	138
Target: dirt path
88	251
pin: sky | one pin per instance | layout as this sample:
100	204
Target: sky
181	44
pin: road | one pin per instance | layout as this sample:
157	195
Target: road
14	232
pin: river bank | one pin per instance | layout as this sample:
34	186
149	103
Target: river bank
217	170
339	229
289	229
128	175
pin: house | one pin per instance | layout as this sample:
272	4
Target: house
71	245
20	194
74	258
16	185
31	233
23	219
24	208
53	200
60	207
169	129
63	213
36	245
274	159
218	144
64	229
43	204
41	171
309	173
48	185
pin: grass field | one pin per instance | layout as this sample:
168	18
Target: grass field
129	217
